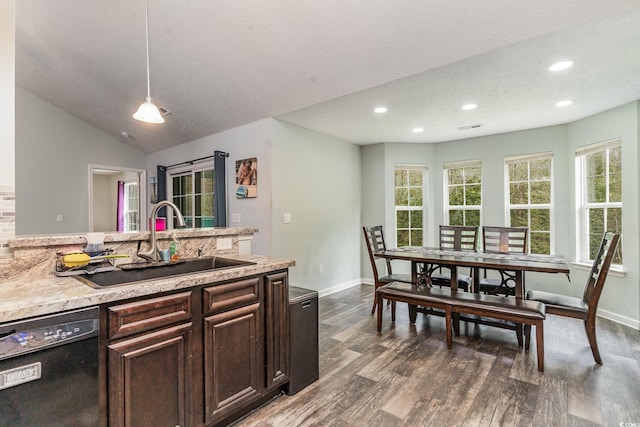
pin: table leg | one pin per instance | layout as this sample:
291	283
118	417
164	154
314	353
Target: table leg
414	272
519	294
454	288
454	277
476	280
519	284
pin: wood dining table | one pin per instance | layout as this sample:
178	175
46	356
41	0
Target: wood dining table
514	262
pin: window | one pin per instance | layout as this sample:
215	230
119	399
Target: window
191	189
409	202
529	198
599	196
463	192
131	214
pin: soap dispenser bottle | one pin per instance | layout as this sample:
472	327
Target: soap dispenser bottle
174	250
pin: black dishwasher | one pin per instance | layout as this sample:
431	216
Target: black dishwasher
49	370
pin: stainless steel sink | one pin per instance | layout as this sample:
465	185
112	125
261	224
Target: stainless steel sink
138	272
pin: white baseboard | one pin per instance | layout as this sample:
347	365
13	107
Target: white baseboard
366	281
618	318
339	288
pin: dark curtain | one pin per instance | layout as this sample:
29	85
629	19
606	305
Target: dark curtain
120	209
220	190
161	172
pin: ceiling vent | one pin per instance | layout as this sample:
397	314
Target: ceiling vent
165	112
469	127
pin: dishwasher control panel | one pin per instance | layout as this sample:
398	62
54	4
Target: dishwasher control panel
35	339
25	337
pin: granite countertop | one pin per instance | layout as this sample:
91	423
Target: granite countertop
27	297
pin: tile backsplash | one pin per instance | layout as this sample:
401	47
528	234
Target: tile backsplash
7	218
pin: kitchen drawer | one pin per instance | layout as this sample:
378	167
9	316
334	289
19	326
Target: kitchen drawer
231	295
141	316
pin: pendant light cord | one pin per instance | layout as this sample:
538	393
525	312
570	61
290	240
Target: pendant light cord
146	18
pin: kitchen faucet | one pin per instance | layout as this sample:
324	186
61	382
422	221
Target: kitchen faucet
153	254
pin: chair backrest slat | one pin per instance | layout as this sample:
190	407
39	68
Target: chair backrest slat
600	269
458	238
505	239
374	237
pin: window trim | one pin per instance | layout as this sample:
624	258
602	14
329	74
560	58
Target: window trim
551	205
425	176
127	185
445	180
183	170
582	225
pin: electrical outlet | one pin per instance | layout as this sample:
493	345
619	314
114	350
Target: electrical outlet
235	217
224	243
321	268
286	218
59	218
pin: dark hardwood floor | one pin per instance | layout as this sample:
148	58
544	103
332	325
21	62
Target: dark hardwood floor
405	376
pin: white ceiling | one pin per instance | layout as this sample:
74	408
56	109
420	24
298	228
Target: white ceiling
325	65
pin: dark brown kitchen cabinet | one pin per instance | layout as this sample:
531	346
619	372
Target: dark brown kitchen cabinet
150	370
233	361
277	329
246	342
201	357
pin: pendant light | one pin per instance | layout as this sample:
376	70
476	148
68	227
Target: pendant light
148	112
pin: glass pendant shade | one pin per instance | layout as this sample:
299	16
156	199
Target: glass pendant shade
148	112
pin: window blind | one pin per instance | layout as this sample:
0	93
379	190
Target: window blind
599	146
528	157
462	164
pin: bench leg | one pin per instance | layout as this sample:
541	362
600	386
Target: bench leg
527	336
447	311
540	344
456	323
413	313
379	313
519	333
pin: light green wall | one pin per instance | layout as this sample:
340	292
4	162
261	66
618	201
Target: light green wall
492	150
372	201
621	298
378	196
252	140
331	188
316	178
53	151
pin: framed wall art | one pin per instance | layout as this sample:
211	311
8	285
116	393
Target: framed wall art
247	178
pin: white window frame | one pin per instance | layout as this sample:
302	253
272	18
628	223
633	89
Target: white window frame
127	208
508	206
582	204
425	175
445	179
182	170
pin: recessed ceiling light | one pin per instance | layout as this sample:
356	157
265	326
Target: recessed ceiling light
417	130
564	103
469	106
562	65
380	110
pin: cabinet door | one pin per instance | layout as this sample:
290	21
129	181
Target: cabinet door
233	366
277	328
150	379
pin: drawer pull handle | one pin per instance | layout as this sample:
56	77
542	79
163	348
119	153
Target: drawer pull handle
306	304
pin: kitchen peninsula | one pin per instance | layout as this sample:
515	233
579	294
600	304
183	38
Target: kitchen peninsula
219	338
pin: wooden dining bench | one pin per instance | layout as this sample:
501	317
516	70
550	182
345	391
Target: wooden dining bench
520	311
